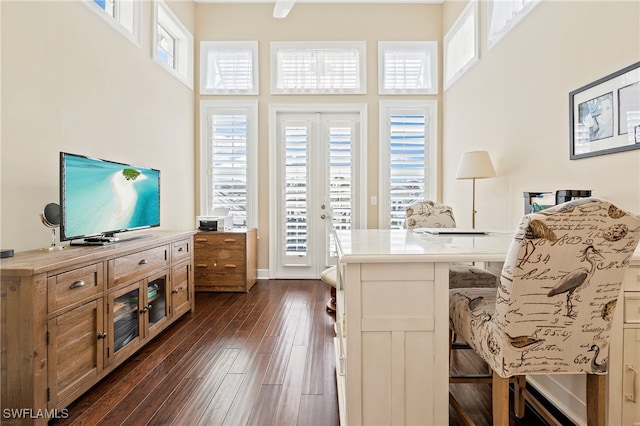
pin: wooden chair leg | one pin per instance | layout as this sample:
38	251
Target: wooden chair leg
500	400
519	389
596	397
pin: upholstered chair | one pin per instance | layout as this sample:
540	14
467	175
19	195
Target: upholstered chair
432	214
552	311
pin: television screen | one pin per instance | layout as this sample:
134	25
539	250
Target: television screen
101	198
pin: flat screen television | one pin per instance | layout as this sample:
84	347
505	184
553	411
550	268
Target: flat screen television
99	198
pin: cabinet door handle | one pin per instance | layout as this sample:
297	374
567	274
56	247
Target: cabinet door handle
149	306
102	335
181	249
143	262
143	310
632	396
175	290
77	284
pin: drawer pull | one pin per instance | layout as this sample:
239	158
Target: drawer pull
102	335
143	262
201	240
229	240
229	265
181	249
175	290
76	284
201	265
632	397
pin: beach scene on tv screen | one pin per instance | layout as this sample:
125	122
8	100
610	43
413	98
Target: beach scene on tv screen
101	196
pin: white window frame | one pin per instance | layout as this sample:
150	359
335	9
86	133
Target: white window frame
183	59
361	46
208	46
134	35
388	107
494	37
429	46
250	108
453	36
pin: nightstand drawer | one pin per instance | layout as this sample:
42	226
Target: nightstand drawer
137	265
70	287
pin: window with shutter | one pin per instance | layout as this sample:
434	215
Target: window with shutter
408	67
406	156
318	67
228	154
229	67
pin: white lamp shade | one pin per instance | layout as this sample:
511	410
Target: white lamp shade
475	165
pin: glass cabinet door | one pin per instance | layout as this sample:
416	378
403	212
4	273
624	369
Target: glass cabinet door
156	306
125	319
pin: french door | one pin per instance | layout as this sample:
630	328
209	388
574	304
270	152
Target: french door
317	184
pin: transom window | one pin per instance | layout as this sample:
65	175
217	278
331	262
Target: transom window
229	67
408	67
318	67
504	15
173	44
461	45
124	15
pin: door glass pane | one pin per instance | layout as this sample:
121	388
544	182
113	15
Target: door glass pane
125	319
340	179
157	300
295	194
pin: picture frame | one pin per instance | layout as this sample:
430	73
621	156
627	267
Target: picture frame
604	116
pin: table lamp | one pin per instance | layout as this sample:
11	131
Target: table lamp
475	165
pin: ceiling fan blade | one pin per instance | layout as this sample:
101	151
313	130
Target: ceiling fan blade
282	8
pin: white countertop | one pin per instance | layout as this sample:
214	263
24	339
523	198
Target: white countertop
402	245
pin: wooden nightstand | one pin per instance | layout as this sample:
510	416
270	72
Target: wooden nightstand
225	261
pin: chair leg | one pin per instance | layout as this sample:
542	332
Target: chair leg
519	388
596	396
500	400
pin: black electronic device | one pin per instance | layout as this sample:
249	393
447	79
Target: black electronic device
4	253
99	198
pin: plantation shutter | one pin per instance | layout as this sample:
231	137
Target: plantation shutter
296	187
229	165
406	164
407	69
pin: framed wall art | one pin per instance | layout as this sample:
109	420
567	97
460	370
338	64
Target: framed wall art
604	116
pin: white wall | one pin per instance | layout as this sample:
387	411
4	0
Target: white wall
70	82
515	104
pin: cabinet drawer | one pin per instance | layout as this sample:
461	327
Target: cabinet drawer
632	278
180	250
222	273
70	287
632	307
136	265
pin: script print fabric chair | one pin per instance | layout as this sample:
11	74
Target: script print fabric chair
552	311
431	214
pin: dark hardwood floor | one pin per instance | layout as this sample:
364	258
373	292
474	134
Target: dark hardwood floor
259	358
